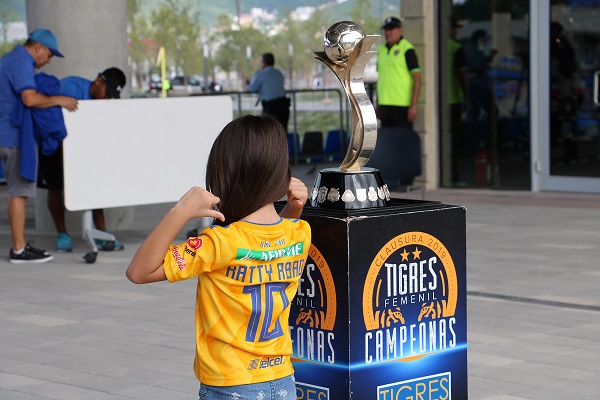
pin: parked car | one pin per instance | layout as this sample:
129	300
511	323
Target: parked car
193	85
154	84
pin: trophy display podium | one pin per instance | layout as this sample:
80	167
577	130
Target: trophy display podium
381	309
381	312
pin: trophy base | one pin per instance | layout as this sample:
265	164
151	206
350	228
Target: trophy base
339	190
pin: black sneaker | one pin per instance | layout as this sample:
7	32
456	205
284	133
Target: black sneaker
30	255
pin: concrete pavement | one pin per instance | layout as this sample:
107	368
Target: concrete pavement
70	330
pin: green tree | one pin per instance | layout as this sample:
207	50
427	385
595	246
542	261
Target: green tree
232	54
176	27
224	22
305	37
361	14
141	52
6	16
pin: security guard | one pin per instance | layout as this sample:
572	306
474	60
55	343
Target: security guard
399	82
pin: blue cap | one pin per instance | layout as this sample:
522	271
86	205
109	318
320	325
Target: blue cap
47	38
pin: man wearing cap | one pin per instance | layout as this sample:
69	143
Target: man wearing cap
399	82
17	84
107	85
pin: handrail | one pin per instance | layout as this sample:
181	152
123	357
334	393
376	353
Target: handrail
237	95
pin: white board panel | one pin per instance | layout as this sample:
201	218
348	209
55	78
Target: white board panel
139	151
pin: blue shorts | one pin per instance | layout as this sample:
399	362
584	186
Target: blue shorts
280	389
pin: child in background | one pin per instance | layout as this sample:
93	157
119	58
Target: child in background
248	264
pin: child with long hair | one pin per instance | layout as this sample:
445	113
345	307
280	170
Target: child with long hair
248	263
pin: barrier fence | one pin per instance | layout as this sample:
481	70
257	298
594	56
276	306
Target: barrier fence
317	129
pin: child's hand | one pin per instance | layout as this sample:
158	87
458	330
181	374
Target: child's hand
297	193
198	202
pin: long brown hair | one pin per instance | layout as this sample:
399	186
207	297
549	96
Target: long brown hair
248	166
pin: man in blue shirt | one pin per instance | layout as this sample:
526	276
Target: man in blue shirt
17	84
107	85
268	83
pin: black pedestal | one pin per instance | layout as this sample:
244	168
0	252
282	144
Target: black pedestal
381	310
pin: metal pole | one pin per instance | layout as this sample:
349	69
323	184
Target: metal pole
296	134
291	54
205	66
249	59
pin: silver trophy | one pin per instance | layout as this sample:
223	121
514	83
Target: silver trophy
352	185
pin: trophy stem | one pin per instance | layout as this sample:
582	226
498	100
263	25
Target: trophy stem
364	121
351	186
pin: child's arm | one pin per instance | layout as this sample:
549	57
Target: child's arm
297	196
146	265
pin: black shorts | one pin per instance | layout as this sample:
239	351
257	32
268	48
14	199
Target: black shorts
394	116
50	170
278	108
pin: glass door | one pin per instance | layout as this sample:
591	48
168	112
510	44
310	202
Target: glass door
484	94
570	155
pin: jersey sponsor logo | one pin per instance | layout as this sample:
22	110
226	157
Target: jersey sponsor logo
434	387
409	299
295	249
265	362
313	315
179	259
194	243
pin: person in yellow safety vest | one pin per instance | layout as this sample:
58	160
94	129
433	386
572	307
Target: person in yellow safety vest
399	82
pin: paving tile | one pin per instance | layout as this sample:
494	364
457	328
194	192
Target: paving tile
548	393
556	371
70	330
59	391
476	359
42	320
6	394
148	392
49	373
12	381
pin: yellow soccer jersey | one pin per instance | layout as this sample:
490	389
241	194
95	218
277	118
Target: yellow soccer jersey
247	278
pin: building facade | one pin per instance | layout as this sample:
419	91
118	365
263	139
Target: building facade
510	94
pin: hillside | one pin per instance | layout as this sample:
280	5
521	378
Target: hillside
210	10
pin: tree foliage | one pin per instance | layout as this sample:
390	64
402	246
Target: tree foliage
141	52
177	28
361	14
6	15
175	25
304	37
232	54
